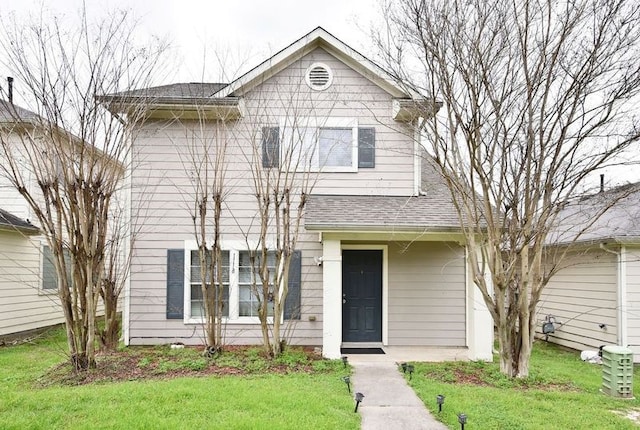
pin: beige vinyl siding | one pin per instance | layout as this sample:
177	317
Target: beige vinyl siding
162	190
632	263
427	294
581	296
350	96
22	305
148	305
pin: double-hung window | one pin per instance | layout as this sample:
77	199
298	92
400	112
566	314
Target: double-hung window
49	278
311	144
329	145
196	296
184	299
240	280
249	280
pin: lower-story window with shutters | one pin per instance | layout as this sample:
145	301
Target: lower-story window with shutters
240	278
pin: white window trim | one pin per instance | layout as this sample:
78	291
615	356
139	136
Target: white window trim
317	123
234	248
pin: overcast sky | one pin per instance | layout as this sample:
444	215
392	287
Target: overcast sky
248	30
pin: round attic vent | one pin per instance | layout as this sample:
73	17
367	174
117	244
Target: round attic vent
319	76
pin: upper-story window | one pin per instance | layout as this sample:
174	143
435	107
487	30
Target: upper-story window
309	144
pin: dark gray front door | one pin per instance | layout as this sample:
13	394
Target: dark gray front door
362	296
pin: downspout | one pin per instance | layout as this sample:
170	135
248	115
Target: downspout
621	273
417	165
471	340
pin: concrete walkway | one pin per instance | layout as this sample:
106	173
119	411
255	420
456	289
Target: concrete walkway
389	403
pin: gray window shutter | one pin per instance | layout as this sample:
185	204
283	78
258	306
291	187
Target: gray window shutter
49	276
270	146
175	283
292	303
366	147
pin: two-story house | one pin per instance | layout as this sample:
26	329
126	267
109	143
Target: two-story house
382	259
28	298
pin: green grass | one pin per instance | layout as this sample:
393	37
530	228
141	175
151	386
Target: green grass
562	392
296	400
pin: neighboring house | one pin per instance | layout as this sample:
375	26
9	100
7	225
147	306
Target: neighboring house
28	282
594	299
28	298
382	258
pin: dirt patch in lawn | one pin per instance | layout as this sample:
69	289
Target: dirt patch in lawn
163	362
488	375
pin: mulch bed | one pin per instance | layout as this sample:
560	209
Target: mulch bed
142	363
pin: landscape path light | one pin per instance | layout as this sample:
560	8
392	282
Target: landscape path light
440	401
347	381
359	398
462	419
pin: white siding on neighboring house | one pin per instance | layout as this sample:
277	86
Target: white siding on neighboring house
23	304
632	262
427	304
10	199
581	296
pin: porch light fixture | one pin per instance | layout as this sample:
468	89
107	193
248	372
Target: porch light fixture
359	398
345	360
440	401
347	381
410	369
462	419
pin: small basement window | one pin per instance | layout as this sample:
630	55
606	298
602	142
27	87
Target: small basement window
319	76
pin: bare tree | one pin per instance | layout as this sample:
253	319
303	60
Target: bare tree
67	159
281	184
284	165
206	164
536	96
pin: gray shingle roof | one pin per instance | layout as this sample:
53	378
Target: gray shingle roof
433	212
616	213
13	113
178	90
331	212
11	221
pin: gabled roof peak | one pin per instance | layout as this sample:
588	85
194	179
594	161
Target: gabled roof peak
318	37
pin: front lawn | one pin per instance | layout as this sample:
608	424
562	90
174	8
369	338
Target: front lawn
250	394
562	392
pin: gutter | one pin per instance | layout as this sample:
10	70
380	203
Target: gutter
379	229
621	286
29	231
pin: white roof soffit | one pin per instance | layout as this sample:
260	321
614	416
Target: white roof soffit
316	38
